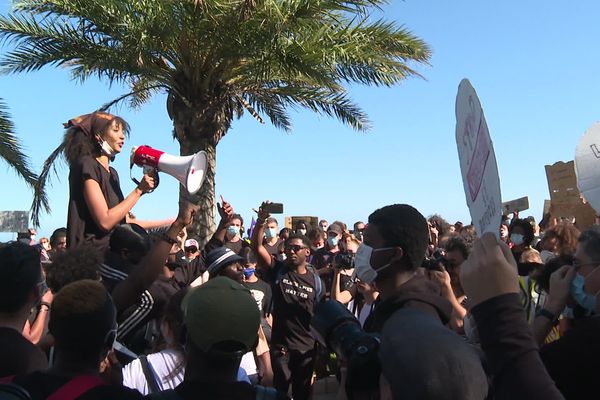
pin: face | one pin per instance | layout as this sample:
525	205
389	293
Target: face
454	260
323	225
503	231
296	252
114	136
234	271
45	244
273	225
191	252
236	223
374	239
61	244
587	267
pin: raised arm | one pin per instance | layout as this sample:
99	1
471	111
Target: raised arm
218	238
107	218
145	273
263	258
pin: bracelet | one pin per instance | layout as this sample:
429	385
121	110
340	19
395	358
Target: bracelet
168	239
542	312
44	303
260	221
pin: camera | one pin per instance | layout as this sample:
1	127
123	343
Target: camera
334	326
344	260
436	262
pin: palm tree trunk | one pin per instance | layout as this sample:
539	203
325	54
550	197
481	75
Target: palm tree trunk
200	128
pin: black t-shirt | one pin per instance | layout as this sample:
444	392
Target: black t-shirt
274	249
322	260
294	300
235	246
41	385
18	355
80	224
261	292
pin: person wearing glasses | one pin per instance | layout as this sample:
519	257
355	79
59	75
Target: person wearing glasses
297	288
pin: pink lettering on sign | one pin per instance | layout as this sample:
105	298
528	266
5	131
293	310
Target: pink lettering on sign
478	161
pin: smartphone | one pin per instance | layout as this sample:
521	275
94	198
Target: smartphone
274	208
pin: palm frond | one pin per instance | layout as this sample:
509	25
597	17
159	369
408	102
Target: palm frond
40	199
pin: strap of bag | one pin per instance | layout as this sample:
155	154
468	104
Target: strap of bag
76	387
148	373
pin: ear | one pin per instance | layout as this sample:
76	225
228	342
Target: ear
307	251
398	254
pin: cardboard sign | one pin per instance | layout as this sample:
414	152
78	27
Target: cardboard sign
14	221
565	198
311	222
477	162
520	204
587	166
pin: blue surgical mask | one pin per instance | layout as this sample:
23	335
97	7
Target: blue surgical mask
270	233
585	300
332	241
248	272
233	230
517	239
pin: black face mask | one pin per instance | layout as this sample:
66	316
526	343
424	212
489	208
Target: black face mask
528	267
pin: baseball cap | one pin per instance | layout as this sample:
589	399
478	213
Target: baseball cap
219	258
221	310
335	228
191	243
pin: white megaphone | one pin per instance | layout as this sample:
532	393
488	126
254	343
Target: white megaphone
189	170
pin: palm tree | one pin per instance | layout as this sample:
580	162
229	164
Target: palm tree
216	59
12	153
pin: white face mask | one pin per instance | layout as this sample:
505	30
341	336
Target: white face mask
517	239
362	263
302	231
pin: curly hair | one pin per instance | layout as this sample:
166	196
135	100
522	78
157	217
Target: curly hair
75	264
402	225
566	235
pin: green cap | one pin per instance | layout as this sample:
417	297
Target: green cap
221	310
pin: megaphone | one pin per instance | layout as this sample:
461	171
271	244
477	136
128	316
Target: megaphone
189	170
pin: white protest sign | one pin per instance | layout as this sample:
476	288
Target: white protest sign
477	162
587	166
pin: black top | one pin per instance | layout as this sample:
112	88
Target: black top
294	300
574	359
18	355
322	260
41	385
512	353
80	224
217	391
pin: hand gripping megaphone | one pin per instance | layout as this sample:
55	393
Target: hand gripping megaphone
189	170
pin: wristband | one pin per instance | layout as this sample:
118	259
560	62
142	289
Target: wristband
44	303
166	238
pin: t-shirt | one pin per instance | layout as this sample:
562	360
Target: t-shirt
274	249
80	224
321	260
18	355
235	246
40	385
294	299
161	366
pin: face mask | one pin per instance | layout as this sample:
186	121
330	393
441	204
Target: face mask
517	239
233	230
248	272
270	233
106	149
585	300
332	241
362	263
302	231
281	257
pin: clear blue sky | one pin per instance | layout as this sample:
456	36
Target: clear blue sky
534	65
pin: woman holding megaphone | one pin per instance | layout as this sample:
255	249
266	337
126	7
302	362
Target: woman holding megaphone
96	203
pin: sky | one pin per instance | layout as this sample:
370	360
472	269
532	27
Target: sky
533	64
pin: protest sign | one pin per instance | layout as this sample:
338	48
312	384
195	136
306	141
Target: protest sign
14	221
587	166
477	162
311	222
520	204
565	198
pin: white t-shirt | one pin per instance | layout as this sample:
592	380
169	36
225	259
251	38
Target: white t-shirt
161	363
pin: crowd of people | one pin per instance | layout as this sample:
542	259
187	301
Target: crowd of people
111	307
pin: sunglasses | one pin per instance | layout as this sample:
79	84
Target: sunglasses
294	248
